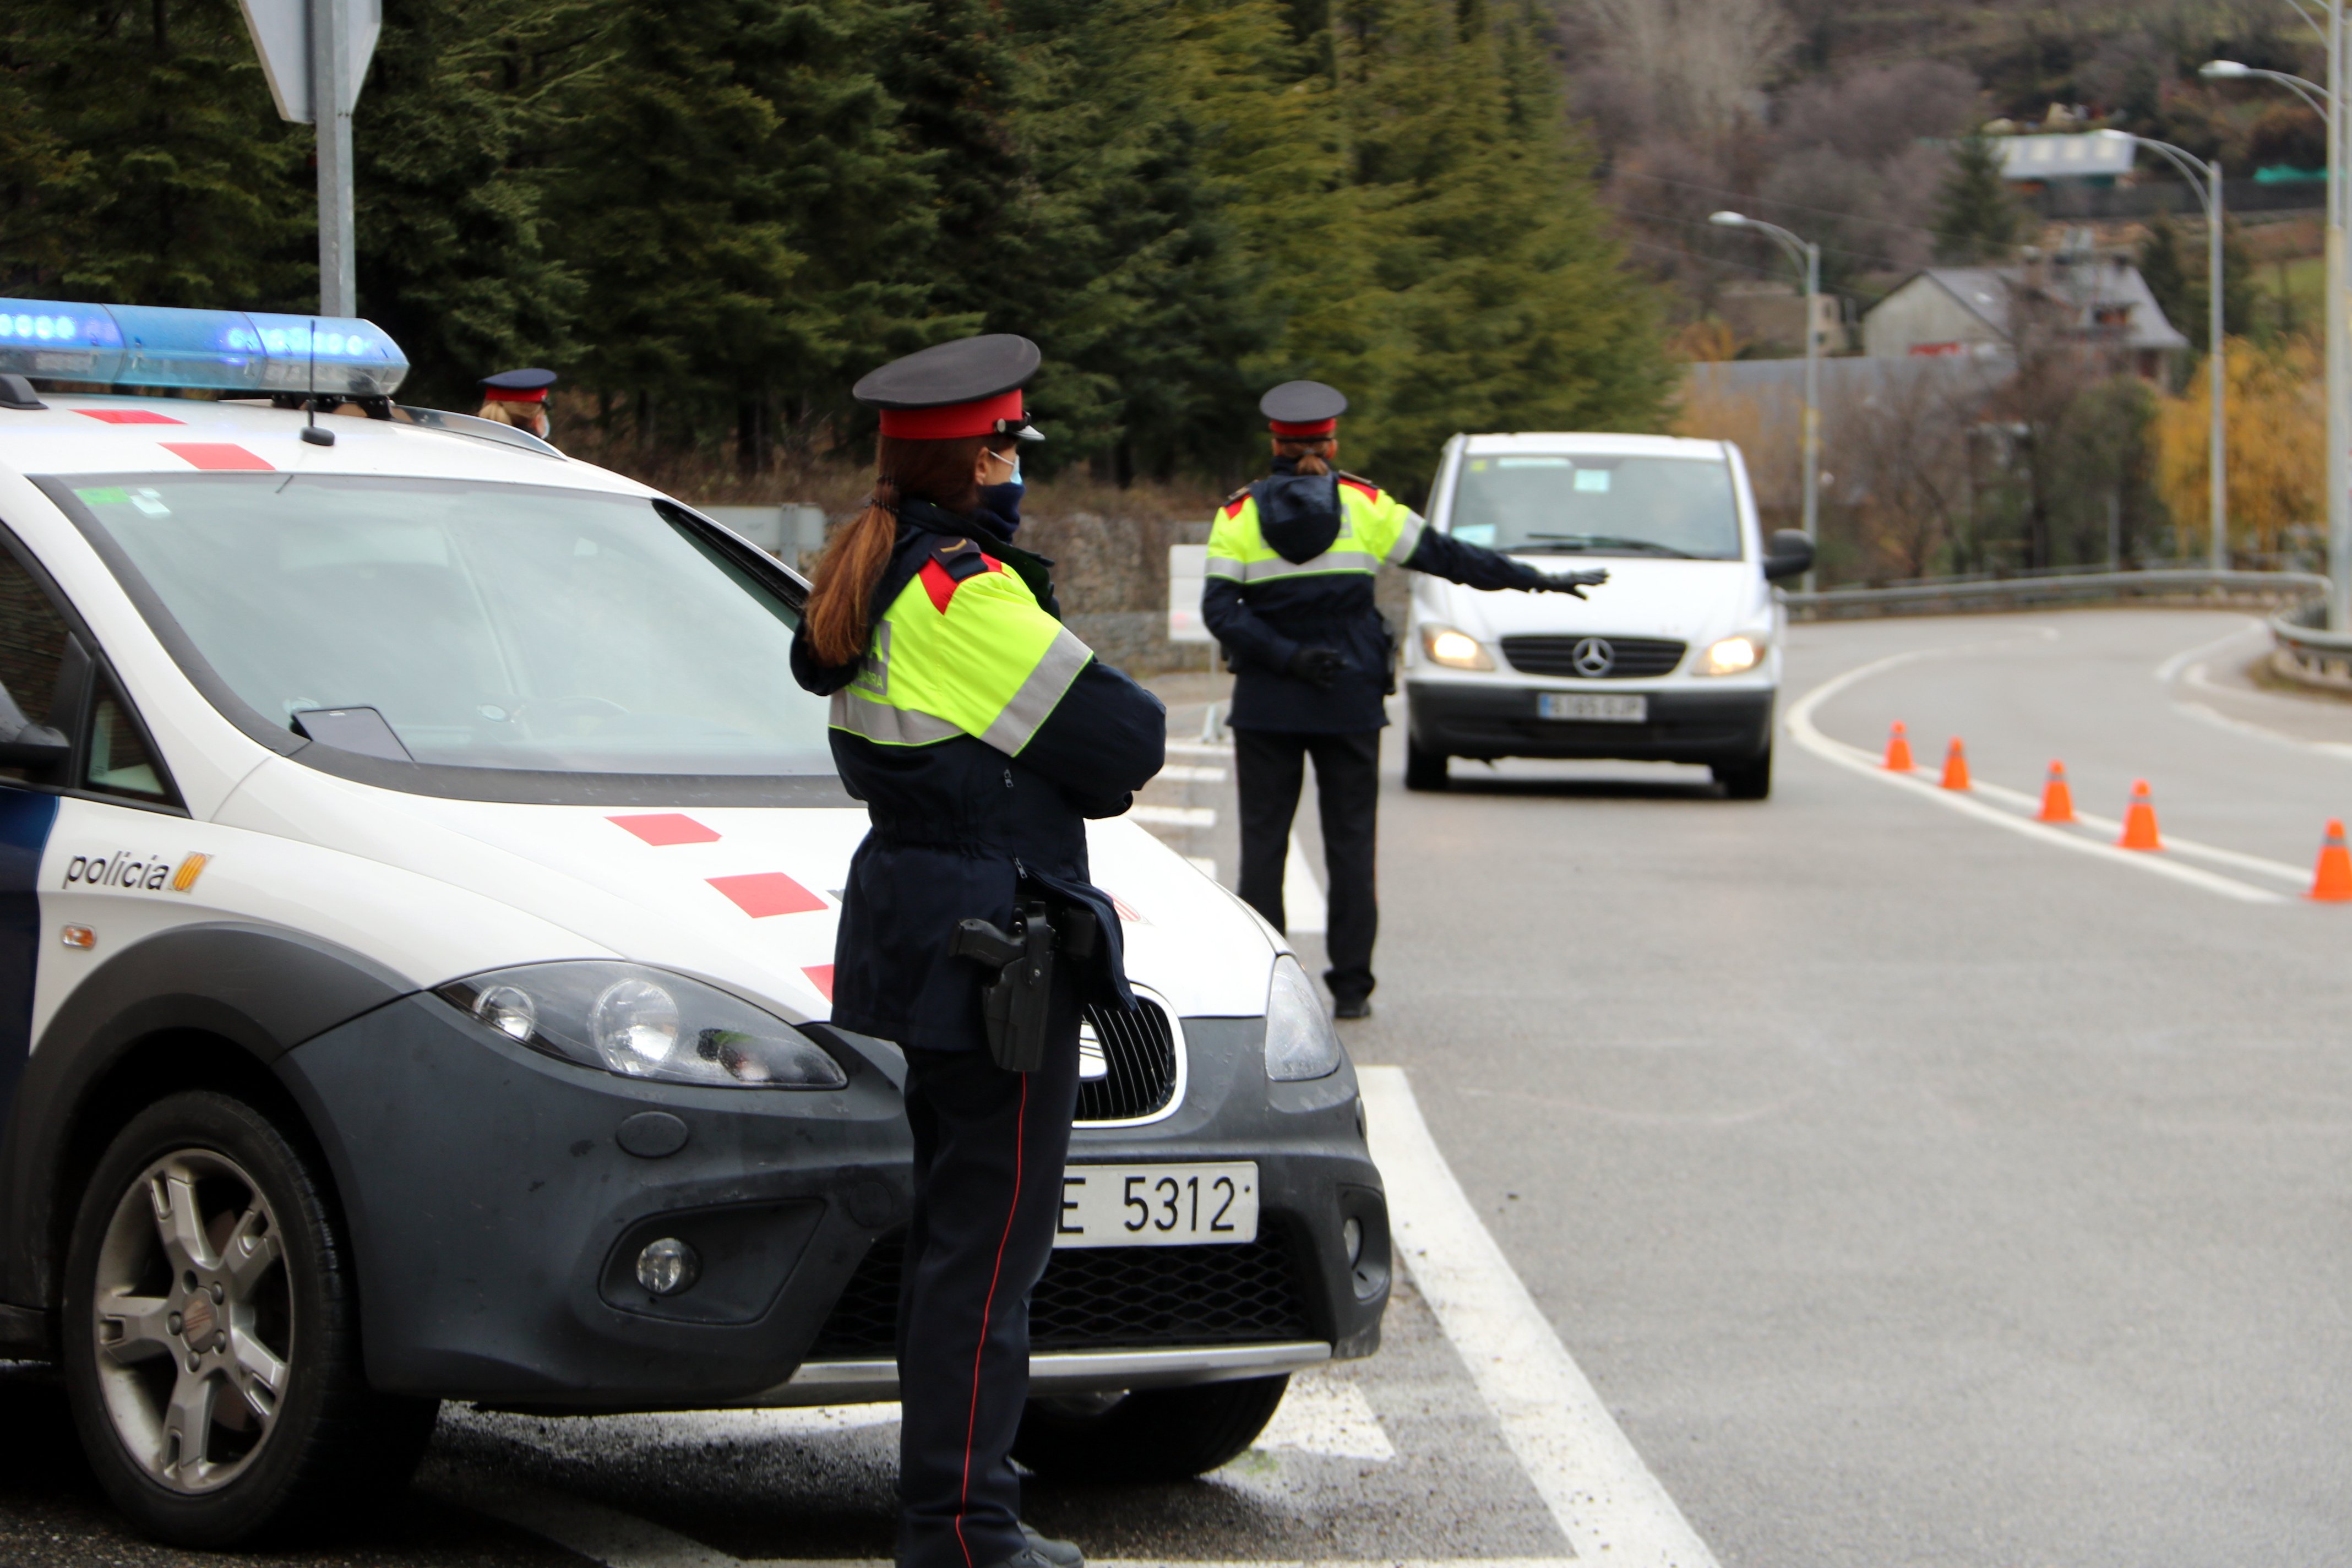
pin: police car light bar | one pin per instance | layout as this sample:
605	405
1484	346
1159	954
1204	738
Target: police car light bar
224	351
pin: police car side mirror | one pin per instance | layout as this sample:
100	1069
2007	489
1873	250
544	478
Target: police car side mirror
1788	553
35	746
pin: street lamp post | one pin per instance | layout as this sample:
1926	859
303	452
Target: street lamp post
1808	256
2338	364
2205	181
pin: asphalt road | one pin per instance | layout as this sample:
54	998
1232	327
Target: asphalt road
1914	1187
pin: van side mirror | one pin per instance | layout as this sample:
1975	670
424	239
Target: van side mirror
1788	553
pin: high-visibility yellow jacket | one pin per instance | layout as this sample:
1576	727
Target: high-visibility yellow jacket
980	732
1291	565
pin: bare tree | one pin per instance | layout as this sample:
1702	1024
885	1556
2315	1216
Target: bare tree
1702	64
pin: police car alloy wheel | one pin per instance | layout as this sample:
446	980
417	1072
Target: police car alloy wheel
212	1349
1152	1435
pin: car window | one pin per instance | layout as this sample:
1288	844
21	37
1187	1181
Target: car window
1594	503
32	653
118	759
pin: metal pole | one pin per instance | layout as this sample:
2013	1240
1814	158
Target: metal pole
2217	435
330	112
2339	415
1812	401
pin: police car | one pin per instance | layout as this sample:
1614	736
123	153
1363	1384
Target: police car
1677	659
419	878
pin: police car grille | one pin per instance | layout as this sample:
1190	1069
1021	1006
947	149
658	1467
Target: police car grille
1633	657
1139	1054
1103	1296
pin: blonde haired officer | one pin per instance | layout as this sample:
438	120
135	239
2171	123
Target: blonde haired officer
981	735
1290	595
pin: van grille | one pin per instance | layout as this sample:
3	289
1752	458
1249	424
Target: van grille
1102	1296
1630	658
1127	1063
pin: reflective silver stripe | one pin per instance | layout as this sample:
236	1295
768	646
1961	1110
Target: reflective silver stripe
874	674
1034	703
886	725
1225	566
1407	538
1331	560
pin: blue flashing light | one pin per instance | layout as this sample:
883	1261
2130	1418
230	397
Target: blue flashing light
222	351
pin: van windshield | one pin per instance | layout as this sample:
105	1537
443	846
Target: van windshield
1597	503
472	624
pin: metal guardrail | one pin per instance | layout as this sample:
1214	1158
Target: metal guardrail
1962	595
2322	657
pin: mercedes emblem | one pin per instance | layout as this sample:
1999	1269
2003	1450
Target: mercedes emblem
1593	658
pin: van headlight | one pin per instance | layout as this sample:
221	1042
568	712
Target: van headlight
1299	1040
1454	649
643	1023
1732	656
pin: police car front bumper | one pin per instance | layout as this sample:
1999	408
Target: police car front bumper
496	1210
1486	719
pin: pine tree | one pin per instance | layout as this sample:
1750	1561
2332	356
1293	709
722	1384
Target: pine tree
1977	219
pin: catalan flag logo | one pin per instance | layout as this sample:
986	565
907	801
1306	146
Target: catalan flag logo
184	878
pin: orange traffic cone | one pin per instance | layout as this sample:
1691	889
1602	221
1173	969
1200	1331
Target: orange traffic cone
2139	820
1956	766
2057	800
2332	884
1898	749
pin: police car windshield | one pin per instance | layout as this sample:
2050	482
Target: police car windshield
490	626
1597	503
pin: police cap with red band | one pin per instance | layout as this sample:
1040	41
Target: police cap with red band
1300	410
967	388
518	386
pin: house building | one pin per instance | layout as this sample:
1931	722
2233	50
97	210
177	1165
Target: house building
2099	301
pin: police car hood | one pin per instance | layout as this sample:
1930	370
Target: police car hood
1649	596
745	896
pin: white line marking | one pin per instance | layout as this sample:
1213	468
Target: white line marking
1329	1416
1303	905
2171	667
1199	749
1186	816
1187	772
2113	828
1808	735
1604	1499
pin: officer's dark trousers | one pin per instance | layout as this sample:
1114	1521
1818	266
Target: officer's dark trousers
989	1148
1268	766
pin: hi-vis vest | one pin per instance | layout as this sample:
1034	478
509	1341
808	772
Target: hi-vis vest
964	649
1374	526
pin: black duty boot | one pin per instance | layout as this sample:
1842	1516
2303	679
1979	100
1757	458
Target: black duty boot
1060	1554
1352	1007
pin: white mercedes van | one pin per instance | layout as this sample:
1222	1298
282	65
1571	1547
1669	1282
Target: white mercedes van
1676	659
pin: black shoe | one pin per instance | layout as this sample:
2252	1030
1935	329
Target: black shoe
1352	1007
1060	1554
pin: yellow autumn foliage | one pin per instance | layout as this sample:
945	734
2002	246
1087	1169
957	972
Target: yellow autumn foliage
2275	414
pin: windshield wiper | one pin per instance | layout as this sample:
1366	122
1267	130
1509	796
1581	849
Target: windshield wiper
1614	541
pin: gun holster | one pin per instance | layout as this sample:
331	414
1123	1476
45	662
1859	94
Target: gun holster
1016	1009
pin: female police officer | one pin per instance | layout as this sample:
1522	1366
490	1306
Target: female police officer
1290	595
980	735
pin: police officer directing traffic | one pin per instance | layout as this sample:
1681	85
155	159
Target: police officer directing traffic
1290	595
980	735
518	397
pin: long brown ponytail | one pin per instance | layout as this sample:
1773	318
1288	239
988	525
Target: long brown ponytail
840	606
1309	453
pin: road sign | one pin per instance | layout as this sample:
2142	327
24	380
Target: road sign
281	32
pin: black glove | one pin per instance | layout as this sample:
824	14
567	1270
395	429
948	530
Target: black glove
1318	666
1574	582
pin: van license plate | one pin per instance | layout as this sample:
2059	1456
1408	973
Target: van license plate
1156	1205
1583	705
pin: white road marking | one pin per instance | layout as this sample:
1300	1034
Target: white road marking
2171	667
1188	772
2113	829
1187	816
1809	735
1328	1416
1199	749
1603	1497
1303	906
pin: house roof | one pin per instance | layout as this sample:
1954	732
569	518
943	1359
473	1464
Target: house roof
2110	299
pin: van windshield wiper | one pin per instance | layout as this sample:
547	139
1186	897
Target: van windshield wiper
1611	541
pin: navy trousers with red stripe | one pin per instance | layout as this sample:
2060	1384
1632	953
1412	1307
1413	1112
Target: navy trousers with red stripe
989	1150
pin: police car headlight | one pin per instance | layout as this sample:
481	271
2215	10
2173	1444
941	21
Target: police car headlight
643	1023
1454	649
1732	656
1299	1040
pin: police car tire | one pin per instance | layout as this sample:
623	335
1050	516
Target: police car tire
1152	1435
332	1442
1424	770
1750	779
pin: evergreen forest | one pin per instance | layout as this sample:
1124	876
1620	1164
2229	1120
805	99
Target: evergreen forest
713	216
